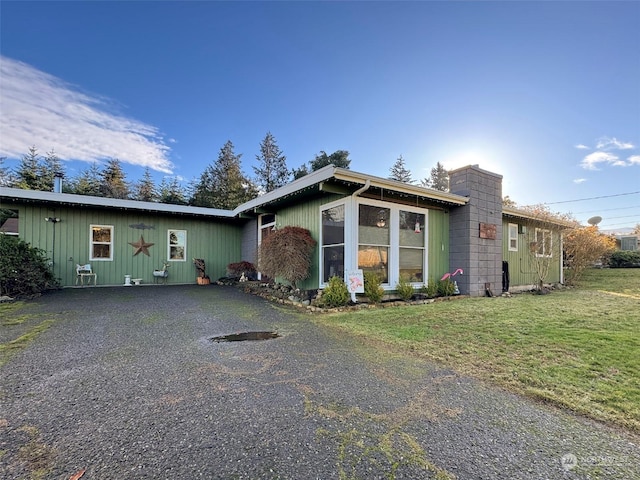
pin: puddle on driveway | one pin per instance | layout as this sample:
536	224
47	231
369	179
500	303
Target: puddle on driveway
245	336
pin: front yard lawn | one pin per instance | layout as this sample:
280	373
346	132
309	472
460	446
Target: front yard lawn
578	348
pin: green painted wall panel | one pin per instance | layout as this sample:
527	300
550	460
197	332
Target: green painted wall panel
438	244
521	269
216	242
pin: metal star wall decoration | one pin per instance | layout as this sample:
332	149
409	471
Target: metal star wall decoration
141	246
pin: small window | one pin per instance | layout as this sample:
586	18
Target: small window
101	242
177	245
543	243
513	237
332	247
9	222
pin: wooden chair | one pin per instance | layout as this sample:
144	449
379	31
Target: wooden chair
83	271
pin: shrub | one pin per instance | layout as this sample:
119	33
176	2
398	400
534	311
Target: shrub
23	269
624	259
335	294
445	288
404	289
286	253
236	270
582	247
430	289
372	287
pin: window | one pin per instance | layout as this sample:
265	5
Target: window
101	242
513	237
266	226
177	245
332	243
9	222
412	246
374	240
543	243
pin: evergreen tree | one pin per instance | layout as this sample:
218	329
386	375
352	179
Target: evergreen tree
50	167
223	185
172	192
29	171
89	182
300	172
439	179
114	184
272	171
339	158
145	190
7	178
400	172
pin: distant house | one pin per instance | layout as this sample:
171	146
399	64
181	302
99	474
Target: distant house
359	221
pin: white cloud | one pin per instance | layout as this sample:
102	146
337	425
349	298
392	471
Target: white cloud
42	110
606	143
579	180
580	146
591	161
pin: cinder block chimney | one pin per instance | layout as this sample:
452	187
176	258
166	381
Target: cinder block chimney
475	230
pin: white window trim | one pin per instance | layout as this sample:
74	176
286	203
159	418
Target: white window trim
270	225
515	226
347	237
169	259
544	254
394	247
92	243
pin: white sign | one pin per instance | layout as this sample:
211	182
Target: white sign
355	281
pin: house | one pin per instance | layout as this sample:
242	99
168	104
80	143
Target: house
359	221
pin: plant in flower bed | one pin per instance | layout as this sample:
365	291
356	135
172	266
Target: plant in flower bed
235	270
404	289
286	254
373	287
335	294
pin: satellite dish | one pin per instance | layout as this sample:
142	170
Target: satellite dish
594	220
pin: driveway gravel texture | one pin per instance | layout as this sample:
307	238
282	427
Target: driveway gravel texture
126	383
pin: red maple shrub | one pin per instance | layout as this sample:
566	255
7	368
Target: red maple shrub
286	254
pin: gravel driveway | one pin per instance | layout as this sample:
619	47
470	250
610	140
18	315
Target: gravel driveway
125	383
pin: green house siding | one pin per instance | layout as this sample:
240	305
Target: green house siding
217	243
521	268
438	260
307	215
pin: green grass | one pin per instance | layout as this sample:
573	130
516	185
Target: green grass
576	348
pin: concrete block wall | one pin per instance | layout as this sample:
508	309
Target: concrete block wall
480	258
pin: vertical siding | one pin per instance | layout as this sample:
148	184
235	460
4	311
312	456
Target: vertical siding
307	215
250	241
521	269
217	242
438	244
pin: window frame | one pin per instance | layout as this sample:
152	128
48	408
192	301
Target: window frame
169	245
514	237
323	246
393	264
541	250
111	228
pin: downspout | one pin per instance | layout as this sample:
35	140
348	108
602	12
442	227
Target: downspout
354	227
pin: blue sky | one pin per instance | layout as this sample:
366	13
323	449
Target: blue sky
545	93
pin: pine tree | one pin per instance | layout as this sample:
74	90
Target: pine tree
172	192
89	182
145	189
339	158
439	179
114	183
400	172
272	172
28	173
223	185
7	179
51	167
